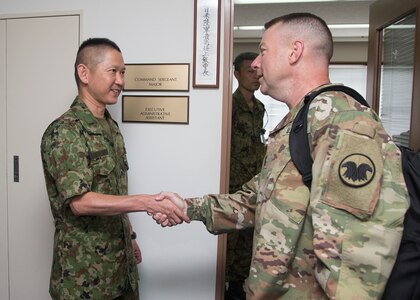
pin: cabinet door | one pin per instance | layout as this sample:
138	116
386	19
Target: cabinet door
40	87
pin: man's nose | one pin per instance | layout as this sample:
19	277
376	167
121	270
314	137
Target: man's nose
120	78
255	64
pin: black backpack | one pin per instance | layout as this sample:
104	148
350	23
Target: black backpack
404	282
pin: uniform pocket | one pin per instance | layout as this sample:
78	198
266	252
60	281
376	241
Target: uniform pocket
284	189
352	180
269	182
103	165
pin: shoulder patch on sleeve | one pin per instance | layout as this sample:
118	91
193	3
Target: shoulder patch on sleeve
353	175
356	170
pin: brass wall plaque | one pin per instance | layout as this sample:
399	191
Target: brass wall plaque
157	77
155	109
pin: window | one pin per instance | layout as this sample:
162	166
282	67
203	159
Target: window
396	78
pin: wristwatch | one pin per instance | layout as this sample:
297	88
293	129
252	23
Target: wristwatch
133	235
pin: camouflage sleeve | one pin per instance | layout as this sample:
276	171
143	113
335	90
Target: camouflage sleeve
65	157
358	199
227	212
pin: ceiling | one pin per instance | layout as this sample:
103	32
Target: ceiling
337	12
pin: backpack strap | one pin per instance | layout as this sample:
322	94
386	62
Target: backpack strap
298	138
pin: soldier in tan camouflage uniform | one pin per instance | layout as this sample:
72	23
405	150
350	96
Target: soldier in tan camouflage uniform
340	239
85	167
246	157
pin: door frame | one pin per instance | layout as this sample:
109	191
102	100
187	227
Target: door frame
225	135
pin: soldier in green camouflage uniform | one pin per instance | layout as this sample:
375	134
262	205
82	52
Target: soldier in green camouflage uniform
340	239
246	157
85	167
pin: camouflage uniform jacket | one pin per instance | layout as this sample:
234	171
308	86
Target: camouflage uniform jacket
246	157
340	241
247	151
93	257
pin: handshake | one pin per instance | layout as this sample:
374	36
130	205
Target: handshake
168	209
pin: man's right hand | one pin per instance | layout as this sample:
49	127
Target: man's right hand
165	220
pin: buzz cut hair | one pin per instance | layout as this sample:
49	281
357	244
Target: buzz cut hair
311	22
86	56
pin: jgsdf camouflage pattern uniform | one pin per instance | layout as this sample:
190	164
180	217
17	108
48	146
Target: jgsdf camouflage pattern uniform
93	256
246	157
340	241
247	150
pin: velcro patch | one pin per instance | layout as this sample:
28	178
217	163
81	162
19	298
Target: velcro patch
353	182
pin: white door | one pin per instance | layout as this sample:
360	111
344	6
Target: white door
40	54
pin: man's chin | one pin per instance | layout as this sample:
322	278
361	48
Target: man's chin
263	91
112	101
114	98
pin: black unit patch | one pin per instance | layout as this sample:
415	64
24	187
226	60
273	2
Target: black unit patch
356	170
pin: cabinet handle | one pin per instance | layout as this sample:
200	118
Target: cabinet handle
16	168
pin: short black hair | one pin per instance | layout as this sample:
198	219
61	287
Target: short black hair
90	43
237	63
93	42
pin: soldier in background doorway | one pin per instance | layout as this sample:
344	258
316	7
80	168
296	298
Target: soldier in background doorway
247	154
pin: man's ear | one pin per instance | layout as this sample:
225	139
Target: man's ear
82	71
236	73
296	52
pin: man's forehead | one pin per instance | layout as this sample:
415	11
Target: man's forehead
272	34
112	60
263	43
246	64
266	34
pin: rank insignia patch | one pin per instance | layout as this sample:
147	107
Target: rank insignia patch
356	170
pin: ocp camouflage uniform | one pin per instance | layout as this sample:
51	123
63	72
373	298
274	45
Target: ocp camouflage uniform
340	241
246	157
93	257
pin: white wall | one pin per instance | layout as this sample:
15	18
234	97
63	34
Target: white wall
180	262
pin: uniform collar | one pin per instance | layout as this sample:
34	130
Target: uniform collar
287	118
89	121
293	112
258	106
